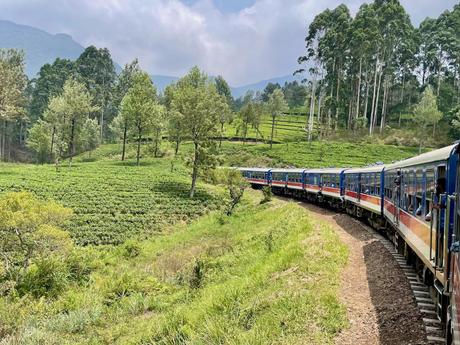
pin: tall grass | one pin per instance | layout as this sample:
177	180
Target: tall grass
264	276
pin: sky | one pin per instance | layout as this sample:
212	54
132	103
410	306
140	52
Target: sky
243	40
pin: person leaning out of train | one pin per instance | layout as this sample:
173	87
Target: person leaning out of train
437	201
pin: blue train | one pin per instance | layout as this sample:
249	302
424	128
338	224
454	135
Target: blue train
414	201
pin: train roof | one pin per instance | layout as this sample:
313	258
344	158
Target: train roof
425	158
255	169
325	171
287	170
372	169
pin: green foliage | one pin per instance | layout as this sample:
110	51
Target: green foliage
268	194
232	283
113	202
30	232
313	155
277	106
131	249
39	141
141	110
426	114
48	84
199	103
47	276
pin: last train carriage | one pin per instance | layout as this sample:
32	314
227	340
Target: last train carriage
414	201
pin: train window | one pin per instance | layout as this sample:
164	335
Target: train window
377	184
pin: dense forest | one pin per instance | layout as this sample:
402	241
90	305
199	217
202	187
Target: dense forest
369	71
364	75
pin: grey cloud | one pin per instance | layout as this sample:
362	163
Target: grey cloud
168	36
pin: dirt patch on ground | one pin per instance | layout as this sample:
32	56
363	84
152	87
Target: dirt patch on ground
381	307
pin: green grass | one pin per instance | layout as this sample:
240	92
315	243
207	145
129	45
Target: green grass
313	155
287	128
114	200
265	275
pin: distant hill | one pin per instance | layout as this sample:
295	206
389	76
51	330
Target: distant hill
161	81
40	47
260	86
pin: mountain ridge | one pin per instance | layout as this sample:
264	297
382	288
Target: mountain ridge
42	47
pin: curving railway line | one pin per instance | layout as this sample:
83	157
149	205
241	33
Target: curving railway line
413	207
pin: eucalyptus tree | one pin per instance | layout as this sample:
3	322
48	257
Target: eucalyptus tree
71	110
426	113
199	103
49	83
276	106
97	70
13	82
225	114
141	108
123	84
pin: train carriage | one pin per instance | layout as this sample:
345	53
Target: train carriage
415	201
363	192
257	177
418	200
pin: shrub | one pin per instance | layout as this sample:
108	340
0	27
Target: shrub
131	249
267	192
46	277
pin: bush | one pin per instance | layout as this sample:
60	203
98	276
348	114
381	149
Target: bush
268	194
131	249
46	277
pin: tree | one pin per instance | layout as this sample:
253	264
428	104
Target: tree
13	83
124	83
39	141
225	114
90	136
158	127
48	84
269	90
29	230
97	71
277	106
236	186
426	114
249	116
199	103
140	108
295	94
69	112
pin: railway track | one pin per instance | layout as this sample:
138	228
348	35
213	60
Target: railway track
421	292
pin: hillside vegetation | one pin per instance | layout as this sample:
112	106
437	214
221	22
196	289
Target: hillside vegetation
113	201
262	276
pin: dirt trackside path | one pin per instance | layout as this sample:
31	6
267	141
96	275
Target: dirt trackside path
380	305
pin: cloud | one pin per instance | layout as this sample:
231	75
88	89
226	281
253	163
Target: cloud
169	36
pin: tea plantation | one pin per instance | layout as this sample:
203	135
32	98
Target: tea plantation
113	201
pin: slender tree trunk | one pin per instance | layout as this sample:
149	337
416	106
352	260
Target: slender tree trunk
377	101
273	130
359	89
194	171
402	89
72	142
312	109
53	134
125	134
221	134
371	119
176	149
366	102
337	108
320	120
438	89
139	138
384	105
102	124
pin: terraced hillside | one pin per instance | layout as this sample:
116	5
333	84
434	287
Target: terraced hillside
113	201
